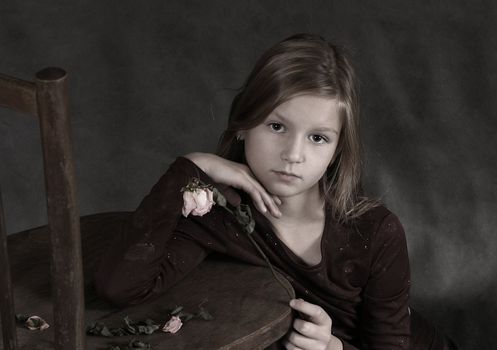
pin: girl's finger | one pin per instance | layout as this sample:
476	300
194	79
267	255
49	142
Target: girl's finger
306	328
268	199
301	342
263	200
276	199
271	204
315	312
256	197
289	346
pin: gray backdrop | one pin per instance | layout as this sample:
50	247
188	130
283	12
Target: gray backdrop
154	79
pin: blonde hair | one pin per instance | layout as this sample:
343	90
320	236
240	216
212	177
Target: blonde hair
299	65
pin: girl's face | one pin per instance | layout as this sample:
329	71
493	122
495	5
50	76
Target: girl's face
290	151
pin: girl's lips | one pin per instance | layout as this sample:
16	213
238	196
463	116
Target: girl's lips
286	176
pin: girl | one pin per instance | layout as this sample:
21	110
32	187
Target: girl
292	152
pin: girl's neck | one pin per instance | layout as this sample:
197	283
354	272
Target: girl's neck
301	208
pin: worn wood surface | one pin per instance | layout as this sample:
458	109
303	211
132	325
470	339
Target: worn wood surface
250	308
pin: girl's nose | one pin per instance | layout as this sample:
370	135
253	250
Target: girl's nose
293	151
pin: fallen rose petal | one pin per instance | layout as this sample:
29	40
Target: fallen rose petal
36	323
173	325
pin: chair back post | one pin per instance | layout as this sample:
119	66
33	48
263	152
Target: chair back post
7	312
63	213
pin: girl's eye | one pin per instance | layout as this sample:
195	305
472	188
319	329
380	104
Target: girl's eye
318	139
276	127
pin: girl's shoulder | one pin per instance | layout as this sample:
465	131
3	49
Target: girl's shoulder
379	223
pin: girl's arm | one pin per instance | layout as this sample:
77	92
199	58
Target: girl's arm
147	255
239	176
385	315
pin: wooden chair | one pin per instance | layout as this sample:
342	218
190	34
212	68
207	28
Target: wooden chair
250	308
46	99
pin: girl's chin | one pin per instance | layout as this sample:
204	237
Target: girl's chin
283	192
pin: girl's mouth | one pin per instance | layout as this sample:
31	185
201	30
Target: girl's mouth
286	175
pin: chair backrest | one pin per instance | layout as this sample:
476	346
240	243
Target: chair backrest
46	98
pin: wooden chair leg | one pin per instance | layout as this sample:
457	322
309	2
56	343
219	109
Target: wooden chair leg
7	311
63	215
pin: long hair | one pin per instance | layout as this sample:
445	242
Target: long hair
305	64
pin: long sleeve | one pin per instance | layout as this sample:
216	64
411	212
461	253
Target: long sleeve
385	314
147	256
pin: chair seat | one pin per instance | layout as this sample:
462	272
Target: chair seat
249	307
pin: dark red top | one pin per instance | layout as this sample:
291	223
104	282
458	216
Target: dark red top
362	280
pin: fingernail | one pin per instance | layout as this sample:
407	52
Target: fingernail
292	302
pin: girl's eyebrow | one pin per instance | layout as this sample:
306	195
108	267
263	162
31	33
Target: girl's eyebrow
280	116
320	129
326	129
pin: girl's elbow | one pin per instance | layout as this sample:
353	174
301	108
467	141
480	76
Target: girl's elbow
120	293
112	292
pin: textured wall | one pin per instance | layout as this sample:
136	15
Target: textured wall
154	79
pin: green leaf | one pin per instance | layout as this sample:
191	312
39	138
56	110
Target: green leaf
119	332
204	314
148	329
219	198
244	217
137	344
21	318
176	310
185	316
100	329
129	326
106	332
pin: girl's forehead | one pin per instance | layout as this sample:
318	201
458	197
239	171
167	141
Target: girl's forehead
309	109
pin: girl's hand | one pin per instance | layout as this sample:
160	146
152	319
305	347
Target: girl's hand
239	176
314	333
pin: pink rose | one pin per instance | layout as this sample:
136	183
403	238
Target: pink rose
198	202
173	325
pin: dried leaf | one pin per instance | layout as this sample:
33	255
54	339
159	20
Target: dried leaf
100	329
131	328
243	215
204	314
137	344
134	344
185	316
21	318
219	198
176	310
